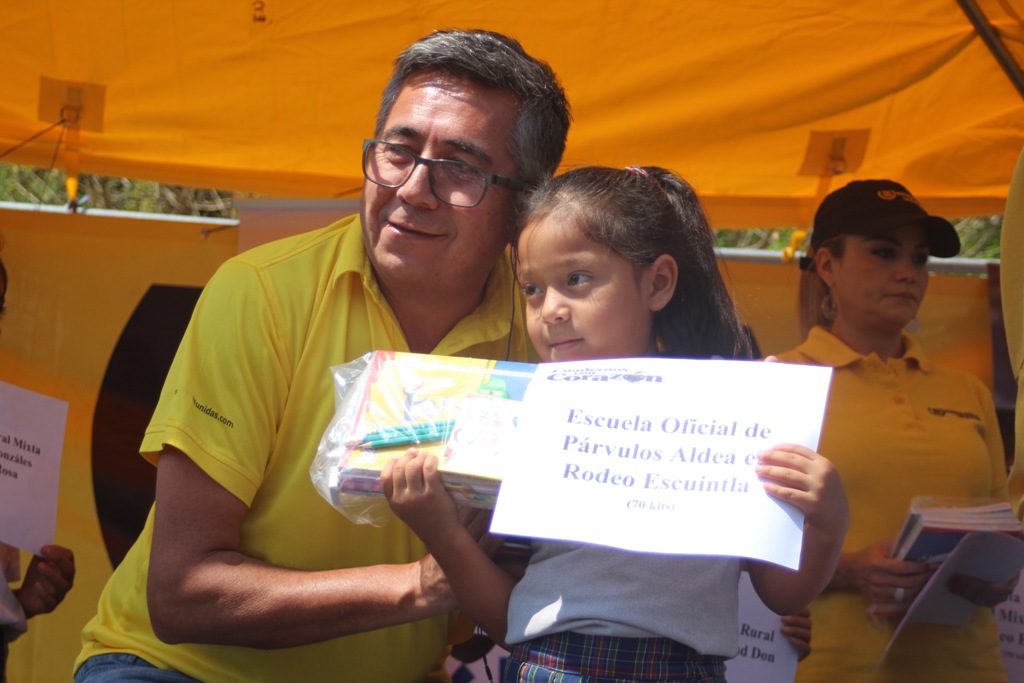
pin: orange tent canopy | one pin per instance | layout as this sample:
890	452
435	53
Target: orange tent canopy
758	102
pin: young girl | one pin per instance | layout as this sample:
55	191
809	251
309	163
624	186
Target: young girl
620	263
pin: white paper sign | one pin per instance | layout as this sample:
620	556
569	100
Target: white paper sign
986	555
31	443
1010	619
766	655
658	455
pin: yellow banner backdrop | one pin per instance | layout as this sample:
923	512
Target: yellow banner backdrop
75	282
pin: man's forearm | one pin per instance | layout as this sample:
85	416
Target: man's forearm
233	600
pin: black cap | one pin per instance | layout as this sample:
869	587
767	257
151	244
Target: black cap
869	207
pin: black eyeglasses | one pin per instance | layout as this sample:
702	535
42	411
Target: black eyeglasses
453	182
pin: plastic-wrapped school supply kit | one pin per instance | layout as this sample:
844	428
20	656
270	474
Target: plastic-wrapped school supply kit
463	410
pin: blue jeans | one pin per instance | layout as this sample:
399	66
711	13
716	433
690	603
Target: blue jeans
125	668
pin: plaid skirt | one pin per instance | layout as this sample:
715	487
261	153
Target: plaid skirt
579	658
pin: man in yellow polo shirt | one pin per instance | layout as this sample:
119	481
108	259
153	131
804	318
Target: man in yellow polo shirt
243	573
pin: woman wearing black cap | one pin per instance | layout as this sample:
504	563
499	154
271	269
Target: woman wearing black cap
897	426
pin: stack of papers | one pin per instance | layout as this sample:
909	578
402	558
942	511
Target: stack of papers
934	525
986	555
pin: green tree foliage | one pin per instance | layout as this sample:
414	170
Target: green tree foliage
979	237
31	185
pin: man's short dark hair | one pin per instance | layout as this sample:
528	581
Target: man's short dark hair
496	61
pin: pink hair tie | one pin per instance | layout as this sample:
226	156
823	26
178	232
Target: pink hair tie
637	170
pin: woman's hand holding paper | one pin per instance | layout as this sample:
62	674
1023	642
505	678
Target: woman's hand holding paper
878	576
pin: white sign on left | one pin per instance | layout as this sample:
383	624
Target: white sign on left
31	443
